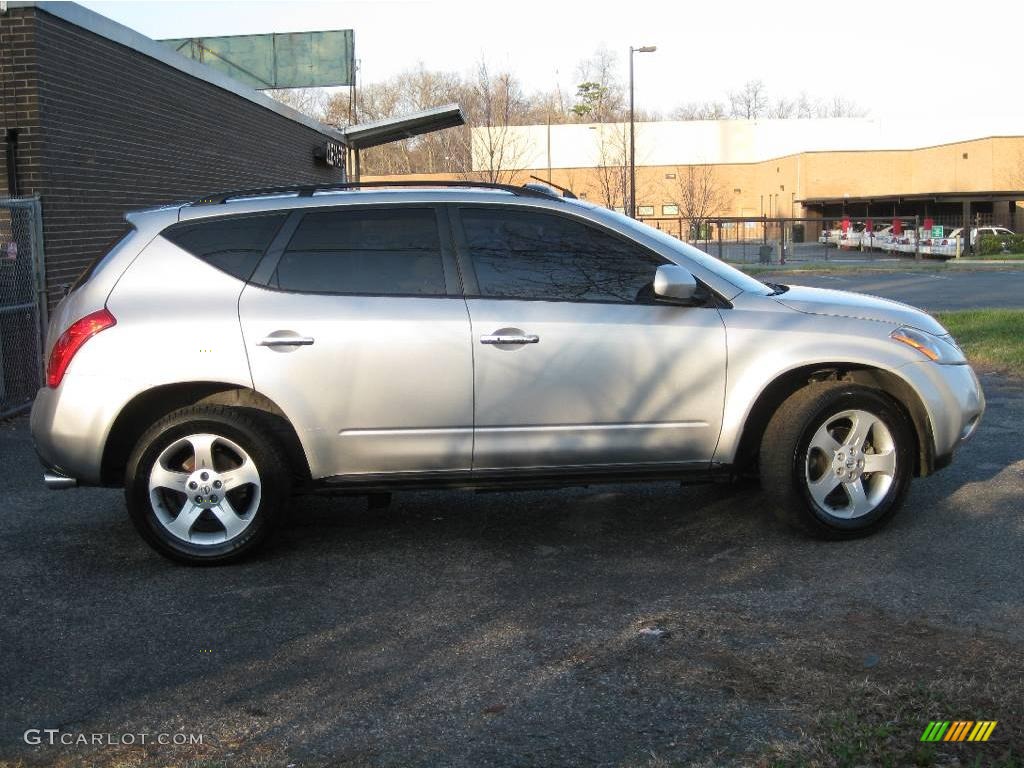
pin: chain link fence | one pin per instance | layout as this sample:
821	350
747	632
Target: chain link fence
766	240
22	303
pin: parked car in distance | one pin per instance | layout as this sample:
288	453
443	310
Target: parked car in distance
884	238
905	242
830	236
975	231
851	238
948	245
844	239
871	240
229	354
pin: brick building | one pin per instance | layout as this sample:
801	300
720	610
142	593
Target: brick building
98	119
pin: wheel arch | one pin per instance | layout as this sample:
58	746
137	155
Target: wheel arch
147	407
788	382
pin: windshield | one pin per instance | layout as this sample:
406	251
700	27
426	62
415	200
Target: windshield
741	280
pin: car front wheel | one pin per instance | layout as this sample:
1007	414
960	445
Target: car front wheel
836	459
205	485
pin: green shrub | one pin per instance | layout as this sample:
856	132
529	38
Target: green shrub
991	245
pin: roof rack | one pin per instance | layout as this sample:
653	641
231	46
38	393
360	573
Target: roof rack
308	190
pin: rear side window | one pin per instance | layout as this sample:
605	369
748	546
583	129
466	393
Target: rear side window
393	251
233	245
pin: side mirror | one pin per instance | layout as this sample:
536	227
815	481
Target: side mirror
675	283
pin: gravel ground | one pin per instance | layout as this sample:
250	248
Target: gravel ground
643	625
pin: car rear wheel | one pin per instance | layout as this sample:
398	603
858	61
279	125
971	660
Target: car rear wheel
836	459
206	484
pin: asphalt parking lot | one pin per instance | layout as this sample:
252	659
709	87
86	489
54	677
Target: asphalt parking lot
626	625
623	625
932	290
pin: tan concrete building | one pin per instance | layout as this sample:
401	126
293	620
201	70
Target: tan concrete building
789	168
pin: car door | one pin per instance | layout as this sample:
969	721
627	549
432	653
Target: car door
355	326
576	364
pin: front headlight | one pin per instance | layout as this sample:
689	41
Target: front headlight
936	349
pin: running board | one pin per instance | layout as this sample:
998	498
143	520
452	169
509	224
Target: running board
483	480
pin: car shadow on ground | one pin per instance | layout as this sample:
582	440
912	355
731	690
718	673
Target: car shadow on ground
633	624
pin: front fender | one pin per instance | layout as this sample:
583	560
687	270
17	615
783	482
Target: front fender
765	346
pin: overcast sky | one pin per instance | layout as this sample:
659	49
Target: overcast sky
896	58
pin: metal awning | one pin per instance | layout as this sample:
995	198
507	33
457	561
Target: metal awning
373	134
930	197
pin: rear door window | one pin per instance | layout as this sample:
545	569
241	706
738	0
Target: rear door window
233	245
391	252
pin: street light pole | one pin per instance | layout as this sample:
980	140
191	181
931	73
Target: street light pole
631	208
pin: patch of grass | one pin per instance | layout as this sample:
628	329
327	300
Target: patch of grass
997	257
876	717
991	337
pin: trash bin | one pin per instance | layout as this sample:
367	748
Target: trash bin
765	254
798	233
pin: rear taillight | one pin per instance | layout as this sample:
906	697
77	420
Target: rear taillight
72	340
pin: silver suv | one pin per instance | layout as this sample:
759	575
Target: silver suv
234	351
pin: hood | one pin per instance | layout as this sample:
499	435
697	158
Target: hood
822	301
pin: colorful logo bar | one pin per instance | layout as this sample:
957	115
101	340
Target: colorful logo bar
959	730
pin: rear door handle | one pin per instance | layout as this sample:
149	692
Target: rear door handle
286	341
500	338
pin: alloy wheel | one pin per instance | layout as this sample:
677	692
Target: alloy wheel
851	464
204	489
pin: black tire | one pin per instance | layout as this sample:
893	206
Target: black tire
265	499
783	457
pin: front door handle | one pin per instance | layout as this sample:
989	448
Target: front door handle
286	341
502	338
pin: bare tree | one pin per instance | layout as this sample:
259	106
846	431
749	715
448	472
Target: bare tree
308	101
750	102
546	107
499	152
494	102
700	110
754	101
699	195
612	164
804	108
842	107
781	109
